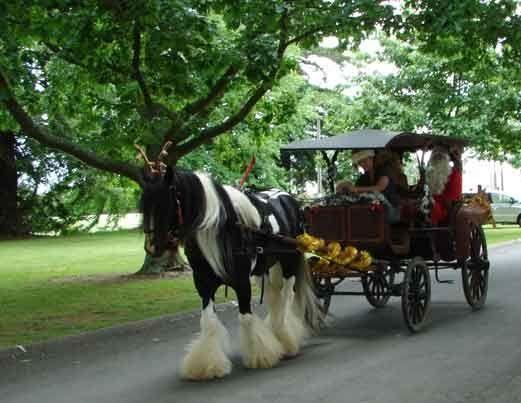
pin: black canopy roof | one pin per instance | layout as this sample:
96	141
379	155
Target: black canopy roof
373	139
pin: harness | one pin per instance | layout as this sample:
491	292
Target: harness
173	236
263	242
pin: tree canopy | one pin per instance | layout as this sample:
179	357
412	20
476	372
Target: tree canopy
89	79
92	78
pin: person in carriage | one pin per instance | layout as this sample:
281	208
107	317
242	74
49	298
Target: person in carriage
444	181
379	177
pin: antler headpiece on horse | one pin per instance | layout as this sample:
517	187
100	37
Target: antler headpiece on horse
158	167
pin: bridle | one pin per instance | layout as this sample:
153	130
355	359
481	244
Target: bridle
156	169
173	235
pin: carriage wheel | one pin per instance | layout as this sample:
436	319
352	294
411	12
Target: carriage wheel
324	289
416	294
474	272
378	284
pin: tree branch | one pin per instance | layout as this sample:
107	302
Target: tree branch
65	55
215	92
152	108
41	134
201	105
304	35
136	60
212	132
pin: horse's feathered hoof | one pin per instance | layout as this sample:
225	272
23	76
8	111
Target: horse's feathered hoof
260	347
205	359
206	356
203	364
291	333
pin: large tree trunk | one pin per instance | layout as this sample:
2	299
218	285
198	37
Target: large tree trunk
172	260
9	217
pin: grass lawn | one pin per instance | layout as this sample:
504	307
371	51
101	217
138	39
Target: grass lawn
502	233
51	287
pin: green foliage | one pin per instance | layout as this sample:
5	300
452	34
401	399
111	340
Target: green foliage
96	77
481	104
56	191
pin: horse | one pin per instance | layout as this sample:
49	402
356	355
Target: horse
204	215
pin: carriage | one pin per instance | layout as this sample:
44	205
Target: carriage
405	253
231	235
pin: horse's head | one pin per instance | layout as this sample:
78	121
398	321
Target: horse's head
162	216
159	204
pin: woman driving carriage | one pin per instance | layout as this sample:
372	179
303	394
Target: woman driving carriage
377	177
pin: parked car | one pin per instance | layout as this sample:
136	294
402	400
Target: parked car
506	208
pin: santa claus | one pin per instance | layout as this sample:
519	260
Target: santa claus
444	177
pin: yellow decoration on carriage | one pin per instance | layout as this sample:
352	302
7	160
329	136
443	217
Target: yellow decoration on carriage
333	249
362	261
479	201
347	255
309	243
330	257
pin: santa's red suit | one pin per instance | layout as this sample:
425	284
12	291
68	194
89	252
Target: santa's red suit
451	193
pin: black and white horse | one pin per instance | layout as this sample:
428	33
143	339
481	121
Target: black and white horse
204	214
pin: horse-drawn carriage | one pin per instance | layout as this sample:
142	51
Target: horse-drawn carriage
230	235
403	253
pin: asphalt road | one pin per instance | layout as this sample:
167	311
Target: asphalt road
365	355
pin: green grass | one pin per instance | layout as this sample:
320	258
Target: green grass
51	287
502	233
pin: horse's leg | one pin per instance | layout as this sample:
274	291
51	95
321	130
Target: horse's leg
206	356
260	348
282	317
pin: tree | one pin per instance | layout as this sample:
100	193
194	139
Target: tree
481	104
92	79
9	225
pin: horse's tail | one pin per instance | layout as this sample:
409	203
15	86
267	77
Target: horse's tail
307	303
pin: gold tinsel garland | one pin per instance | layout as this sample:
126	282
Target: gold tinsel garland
482	201
479	201
331	257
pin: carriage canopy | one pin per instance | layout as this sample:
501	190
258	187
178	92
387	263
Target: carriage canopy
373	139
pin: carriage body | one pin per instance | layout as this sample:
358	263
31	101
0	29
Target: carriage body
403	253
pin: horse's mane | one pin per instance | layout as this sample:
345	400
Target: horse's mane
190	193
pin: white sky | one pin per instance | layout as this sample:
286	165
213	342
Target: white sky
326	73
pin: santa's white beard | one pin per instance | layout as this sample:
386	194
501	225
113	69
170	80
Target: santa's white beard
437	175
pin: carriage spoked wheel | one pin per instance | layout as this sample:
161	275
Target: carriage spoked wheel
324	288
416	294
474	272
378	285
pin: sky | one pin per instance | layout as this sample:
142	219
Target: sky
325	73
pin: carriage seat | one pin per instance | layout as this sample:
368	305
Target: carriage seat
408	210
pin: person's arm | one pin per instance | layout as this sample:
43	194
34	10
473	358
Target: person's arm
453	188
380	186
